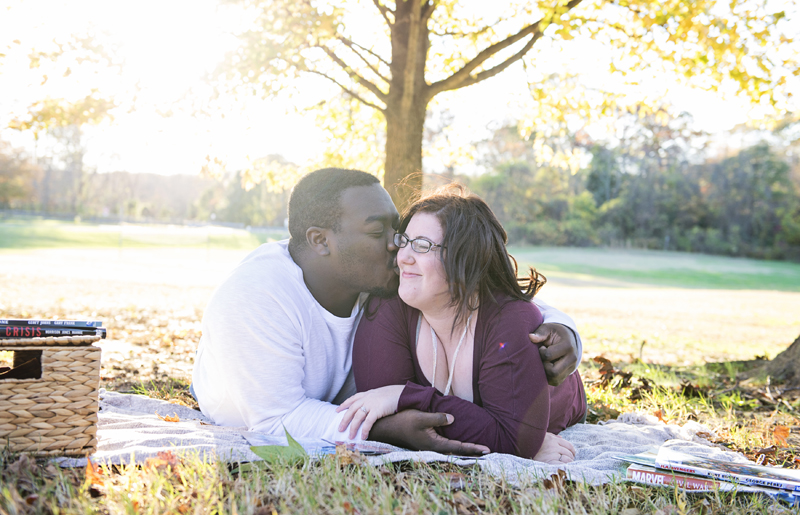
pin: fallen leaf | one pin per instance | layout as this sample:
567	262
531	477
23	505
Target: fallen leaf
605	365
771	450
31	499
174	418
170	457
556	482
292	453
94	474
689	390
347	457
659	415
163	460
780	434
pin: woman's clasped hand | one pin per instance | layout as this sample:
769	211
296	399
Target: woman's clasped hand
364	408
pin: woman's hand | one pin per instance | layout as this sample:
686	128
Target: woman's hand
364	408
555	450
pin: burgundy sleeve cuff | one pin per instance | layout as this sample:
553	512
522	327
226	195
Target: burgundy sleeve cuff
416	397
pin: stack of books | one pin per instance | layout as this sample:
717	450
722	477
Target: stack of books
14	329
676	469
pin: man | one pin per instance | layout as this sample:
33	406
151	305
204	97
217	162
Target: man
276	349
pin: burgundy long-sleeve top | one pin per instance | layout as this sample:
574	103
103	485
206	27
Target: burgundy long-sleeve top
513	406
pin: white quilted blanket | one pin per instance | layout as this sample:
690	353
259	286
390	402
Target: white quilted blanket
129	429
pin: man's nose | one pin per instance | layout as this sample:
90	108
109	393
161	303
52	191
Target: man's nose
391	246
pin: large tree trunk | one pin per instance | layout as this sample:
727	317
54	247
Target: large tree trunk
403	171
406	102
785	367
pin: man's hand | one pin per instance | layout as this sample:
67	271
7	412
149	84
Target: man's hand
414	429
559	351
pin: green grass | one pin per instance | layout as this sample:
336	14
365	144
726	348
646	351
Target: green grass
327	486
40	234
657	268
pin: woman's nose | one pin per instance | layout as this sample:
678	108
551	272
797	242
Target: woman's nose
405	254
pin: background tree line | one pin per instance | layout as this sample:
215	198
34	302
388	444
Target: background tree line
43	187
652	188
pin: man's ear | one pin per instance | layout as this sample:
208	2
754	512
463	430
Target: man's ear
317	239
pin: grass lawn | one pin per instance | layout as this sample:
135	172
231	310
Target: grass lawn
38	234
691	310
617	267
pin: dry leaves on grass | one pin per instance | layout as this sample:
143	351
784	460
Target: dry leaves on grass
167	418
163	460
780	434
346	457
94	474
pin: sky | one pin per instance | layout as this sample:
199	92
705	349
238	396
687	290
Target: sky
164	49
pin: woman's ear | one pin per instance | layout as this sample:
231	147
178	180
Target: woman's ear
317	239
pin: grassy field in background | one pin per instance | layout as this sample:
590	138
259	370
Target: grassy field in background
38	234
610	267
617	267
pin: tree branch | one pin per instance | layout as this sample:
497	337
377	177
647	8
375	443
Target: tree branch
412	51
462	34
348	90
428	11
491	72
350	44
464	74
354	75
384	11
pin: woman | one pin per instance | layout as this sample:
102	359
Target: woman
455	340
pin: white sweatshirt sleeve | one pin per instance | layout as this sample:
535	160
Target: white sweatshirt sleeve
554	316
250	368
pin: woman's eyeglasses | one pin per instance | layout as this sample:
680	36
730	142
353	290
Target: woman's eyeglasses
420	245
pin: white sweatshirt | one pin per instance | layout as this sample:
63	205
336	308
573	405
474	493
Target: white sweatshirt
272	357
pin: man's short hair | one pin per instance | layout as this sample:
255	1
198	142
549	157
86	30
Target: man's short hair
315	200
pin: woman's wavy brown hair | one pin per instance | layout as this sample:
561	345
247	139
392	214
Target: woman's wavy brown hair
476	262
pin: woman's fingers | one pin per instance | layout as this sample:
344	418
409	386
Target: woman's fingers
358	418
346	404
346	419
567	447
367	425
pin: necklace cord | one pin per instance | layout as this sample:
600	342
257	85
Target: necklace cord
452	371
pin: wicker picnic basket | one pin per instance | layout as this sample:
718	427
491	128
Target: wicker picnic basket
56	413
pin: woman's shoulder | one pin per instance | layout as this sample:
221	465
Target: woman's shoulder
503	310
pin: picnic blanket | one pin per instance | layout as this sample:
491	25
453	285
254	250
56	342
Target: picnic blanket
131	428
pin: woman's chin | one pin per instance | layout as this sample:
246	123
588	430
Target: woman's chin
407	296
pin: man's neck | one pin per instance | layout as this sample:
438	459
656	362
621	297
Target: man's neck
336	298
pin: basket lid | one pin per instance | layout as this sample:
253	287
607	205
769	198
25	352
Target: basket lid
51	341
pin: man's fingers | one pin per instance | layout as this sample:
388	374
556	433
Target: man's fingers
554	351
540	337
434	420
558	371
445	446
